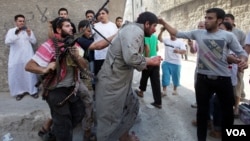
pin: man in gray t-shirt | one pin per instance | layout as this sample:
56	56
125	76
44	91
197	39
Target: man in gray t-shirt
213	74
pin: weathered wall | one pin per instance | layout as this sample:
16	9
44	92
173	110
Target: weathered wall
38	13
184	14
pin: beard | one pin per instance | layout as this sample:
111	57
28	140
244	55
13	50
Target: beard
147	35
147	32
64	34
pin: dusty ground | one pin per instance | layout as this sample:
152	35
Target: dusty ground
171	123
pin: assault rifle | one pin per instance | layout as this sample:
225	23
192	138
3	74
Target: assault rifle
69	41
47	79
91	25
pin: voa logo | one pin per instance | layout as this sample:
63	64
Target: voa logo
236	132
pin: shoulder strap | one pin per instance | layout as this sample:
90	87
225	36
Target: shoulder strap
57	58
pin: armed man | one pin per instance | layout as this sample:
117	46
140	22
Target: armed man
61	64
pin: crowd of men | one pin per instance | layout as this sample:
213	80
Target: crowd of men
92	74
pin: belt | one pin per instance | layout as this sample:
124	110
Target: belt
213	77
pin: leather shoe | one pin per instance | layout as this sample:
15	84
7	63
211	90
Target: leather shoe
156	105
139	93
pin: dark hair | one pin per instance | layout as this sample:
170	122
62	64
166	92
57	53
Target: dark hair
19	16
231	16
89	11
83	23
227	25
58	23
220	13
105	9
147	16
62	9
117	18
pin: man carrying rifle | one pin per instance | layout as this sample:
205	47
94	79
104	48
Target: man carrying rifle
60	63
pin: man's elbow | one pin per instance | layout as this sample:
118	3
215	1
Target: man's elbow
29	66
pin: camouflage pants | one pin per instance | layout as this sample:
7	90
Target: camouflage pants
87	98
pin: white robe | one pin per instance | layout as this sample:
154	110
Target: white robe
21	51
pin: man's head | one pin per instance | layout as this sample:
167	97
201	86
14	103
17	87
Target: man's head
118	22
89	14
201	25
150	21
214	16
103	15
19	20
226	26
172	37
63	12
62	26
229	18
83	26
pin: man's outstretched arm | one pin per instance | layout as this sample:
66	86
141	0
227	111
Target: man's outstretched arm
170	29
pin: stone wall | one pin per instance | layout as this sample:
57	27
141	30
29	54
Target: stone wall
38	13
184	14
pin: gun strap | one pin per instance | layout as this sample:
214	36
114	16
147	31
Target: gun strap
74	91
57	57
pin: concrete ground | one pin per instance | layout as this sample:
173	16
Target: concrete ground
22	119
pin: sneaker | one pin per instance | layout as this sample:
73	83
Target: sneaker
175	92
164	93
194	105
139	93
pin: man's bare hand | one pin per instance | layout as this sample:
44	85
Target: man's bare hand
163	29
50	67
28	30
190	43
242	65
74	51
176	50
155	61
161	21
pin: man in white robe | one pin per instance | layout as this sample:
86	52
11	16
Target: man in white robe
20	40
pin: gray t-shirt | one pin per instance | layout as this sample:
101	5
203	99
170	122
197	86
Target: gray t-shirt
213	50
240	35
68	80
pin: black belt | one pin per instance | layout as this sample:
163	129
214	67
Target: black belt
212	77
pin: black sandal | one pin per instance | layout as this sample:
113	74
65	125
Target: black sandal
19	97
42	132
35	95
